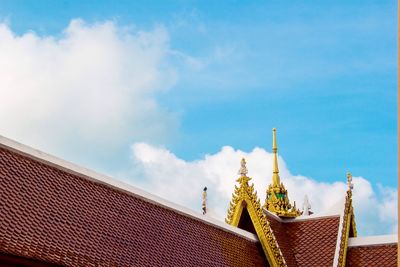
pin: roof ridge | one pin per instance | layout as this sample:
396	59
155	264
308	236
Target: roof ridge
309	218
300	218
103	179
339	237
372	240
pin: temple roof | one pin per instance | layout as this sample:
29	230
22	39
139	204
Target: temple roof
372	251
306	242
58	213
373	255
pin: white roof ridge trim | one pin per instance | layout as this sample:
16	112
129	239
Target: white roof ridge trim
372	240
300	218
267	212
310	218
118	185
339	236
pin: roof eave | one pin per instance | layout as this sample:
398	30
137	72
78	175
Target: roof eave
115	184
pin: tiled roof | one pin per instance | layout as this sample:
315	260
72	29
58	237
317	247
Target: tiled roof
309	242
281	236
52	215
372	255
314	240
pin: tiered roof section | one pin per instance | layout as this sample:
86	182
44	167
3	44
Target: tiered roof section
327	240
245	212
54	213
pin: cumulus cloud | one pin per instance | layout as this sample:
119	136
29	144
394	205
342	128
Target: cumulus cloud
94	85
159	171
93	88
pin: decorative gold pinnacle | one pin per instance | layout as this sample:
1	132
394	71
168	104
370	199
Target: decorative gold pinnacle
277	200
275	176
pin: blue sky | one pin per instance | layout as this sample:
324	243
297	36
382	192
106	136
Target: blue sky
324	74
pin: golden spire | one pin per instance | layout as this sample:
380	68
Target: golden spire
277	200
275	176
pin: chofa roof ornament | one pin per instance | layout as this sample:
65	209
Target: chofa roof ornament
243	169
349	181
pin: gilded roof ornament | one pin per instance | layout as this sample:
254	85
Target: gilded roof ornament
243	169
275	175
277	200
349	228
245	197
349	181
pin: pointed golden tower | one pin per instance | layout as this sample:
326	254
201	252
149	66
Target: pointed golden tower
277	200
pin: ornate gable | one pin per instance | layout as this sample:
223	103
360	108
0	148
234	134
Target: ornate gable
348	227
305	241
245	212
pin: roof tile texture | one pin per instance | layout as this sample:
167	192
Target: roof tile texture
314	240
48	214
284	242
309	242
378	255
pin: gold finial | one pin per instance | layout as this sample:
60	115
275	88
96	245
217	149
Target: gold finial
275	175
349	180
243	169
277	200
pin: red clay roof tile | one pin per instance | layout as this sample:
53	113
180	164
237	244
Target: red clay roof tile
309	242
50	215
281	237
314	240
372	255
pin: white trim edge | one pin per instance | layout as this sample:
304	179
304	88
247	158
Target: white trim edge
372	240
300	218
268	213
310	218
339	237
120	186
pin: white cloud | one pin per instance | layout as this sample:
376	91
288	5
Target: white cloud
159	171
94	84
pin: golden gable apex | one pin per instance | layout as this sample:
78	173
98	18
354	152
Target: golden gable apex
245	212
348	228
277	199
